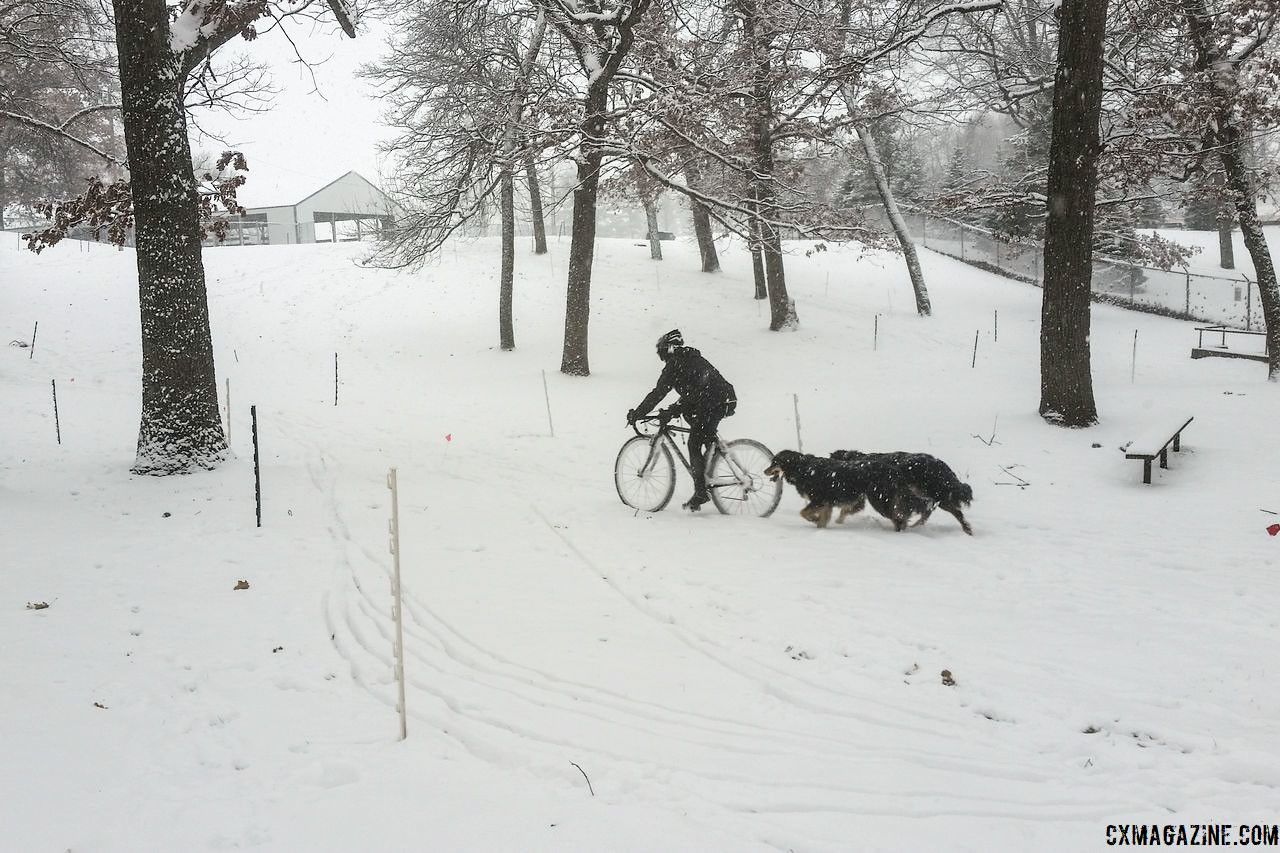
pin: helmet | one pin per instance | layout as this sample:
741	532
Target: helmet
668	342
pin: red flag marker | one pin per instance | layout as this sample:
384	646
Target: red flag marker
1273	529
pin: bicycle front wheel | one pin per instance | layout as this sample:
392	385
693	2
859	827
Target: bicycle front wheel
644	474
738	485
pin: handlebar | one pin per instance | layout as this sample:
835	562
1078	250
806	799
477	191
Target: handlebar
663	421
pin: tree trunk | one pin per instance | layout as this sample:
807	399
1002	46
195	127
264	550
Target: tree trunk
181	428
651	220
535	205
1066	384
782	312
876	167
506	327
1243	193
1255	241
506	188
757	260
702	225
582	244
1226	251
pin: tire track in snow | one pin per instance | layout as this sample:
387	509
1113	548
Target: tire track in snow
454	682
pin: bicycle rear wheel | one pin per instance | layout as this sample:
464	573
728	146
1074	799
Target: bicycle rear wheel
759	495
644	483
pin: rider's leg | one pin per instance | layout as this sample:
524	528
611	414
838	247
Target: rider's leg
702	434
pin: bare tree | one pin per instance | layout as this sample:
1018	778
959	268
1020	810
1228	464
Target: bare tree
601	34
460	81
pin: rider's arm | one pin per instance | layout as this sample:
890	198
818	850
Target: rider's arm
660	390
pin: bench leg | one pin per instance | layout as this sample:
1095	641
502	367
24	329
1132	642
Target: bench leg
1164	458
1146	470
1177	443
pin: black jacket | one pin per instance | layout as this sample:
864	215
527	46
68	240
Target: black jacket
702	390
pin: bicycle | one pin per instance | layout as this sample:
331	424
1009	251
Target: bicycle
645	472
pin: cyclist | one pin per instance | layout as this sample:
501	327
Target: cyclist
705	399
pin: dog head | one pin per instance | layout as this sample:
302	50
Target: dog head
784	462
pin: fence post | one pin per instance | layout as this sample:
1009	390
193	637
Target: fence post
396	599
1248	304
962	242
257	468
1188	309
795	401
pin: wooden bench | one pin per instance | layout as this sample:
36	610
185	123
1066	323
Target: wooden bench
1155	444
1221	350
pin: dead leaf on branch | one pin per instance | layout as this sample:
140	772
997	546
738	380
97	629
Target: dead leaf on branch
241	585
37	605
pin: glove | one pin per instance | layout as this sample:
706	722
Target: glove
631	417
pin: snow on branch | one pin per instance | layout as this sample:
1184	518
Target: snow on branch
918	31
62	132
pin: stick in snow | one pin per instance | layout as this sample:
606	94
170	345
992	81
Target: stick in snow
547	395
584	776
56	425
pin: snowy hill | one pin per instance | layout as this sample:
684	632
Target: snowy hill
585	678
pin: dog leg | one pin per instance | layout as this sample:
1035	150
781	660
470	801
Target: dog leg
954	509
816	513
851	508
901	512
924	514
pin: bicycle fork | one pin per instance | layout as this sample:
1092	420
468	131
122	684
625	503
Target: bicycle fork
647	467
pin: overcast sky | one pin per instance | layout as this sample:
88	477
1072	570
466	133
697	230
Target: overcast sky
308	138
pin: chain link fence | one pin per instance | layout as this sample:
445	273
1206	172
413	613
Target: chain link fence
1231	302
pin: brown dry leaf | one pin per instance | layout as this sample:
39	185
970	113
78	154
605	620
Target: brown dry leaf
241	585
37	605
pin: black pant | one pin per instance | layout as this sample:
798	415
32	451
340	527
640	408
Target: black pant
702	434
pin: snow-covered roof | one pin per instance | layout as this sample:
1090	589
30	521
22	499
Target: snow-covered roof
276	188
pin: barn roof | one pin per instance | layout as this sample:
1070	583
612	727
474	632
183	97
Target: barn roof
279	190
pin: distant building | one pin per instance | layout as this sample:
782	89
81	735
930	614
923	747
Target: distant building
346	209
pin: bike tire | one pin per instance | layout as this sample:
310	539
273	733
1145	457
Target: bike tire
646	491
760	498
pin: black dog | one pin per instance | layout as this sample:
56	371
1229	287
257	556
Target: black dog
828	485
927	477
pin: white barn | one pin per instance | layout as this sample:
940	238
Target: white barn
348	208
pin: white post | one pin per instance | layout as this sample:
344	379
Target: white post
394	527
795	401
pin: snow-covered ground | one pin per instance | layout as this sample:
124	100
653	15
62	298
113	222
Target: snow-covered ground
585	678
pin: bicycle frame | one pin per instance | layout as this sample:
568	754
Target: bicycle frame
664	434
